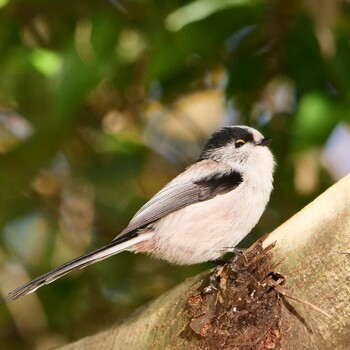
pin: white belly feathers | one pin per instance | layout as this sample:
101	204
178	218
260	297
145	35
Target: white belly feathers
202	234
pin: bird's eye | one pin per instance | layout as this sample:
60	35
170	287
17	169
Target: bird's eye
239	143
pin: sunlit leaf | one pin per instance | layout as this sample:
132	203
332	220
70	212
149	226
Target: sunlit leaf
197	10
3	3
46	62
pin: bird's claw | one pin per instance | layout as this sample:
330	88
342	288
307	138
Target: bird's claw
234	250
213	280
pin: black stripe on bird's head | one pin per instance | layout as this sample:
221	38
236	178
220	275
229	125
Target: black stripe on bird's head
228	135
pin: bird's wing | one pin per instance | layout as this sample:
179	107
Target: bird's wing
211	180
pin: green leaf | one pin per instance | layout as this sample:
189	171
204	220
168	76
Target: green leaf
316	116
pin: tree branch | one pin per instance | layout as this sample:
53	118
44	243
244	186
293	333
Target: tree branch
311	256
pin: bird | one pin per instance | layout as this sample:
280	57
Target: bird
200	215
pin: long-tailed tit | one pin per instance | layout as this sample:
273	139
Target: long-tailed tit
200	214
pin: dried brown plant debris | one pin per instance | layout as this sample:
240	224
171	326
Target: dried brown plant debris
242	309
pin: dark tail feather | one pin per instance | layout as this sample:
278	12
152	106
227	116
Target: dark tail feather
78	263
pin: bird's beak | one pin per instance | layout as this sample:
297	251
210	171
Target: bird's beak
264	142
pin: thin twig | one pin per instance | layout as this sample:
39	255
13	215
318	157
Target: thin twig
282	291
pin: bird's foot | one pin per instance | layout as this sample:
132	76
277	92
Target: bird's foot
237	252
213	280
215	276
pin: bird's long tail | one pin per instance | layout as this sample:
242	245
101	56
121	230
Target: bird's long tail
115	247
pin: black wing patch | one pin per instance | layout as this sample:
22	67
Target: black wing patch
178	195
215	185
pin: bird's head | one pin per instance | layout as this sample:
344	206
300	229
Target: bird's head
240	146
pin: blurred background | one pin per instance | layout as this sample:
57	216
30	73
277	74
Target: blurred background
103	102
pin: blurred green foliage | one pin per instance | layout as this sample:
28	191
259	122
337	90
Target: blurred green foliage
100	106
